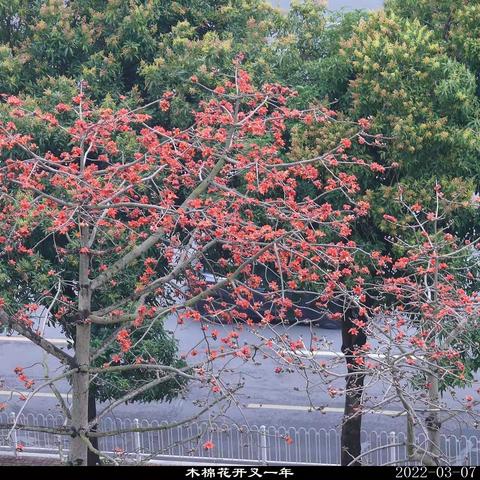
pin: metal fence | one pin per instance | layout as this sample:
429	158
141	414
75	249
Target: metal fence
231	443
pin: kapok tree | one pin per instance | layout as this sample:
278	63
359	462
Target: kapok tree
421	329
425	334
129	215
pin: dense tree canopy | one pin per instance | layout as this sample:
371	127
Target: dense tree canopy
124	47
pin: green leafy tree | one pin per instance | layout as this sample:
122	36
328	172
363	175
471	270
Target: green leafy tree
128	47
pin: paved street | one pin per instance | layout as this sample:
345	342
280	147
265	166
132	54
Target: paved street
268	398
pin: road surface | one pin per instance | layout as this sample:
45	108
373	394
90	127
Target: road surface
267	398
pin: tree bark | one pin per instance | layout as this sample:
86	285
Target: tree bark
80	386
80	380
352	416
92	458
433	422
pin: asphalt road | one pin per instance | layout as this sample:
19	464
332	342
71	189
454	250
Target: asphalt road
267	398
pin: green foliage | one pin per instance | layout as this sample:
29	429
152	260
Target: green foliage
151	342
453	22
422	98
122	47
304	51
464	35
418	95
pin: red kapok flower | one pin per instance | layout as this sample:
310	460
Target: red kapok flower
208	445
390	218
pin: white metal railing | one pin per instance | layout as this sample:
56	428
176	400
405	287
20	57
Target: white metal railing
265	445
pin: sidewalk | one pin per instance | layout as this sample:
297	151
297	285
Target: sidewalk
7	460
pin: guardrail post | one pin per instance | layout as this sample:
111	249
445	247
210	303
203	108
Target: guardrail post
60	448
137	440
14	435
263	445
392	448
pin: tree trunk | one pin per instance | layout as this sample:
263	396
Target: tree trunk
351	446
80	384
92	458
80	380
432	422
352	420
